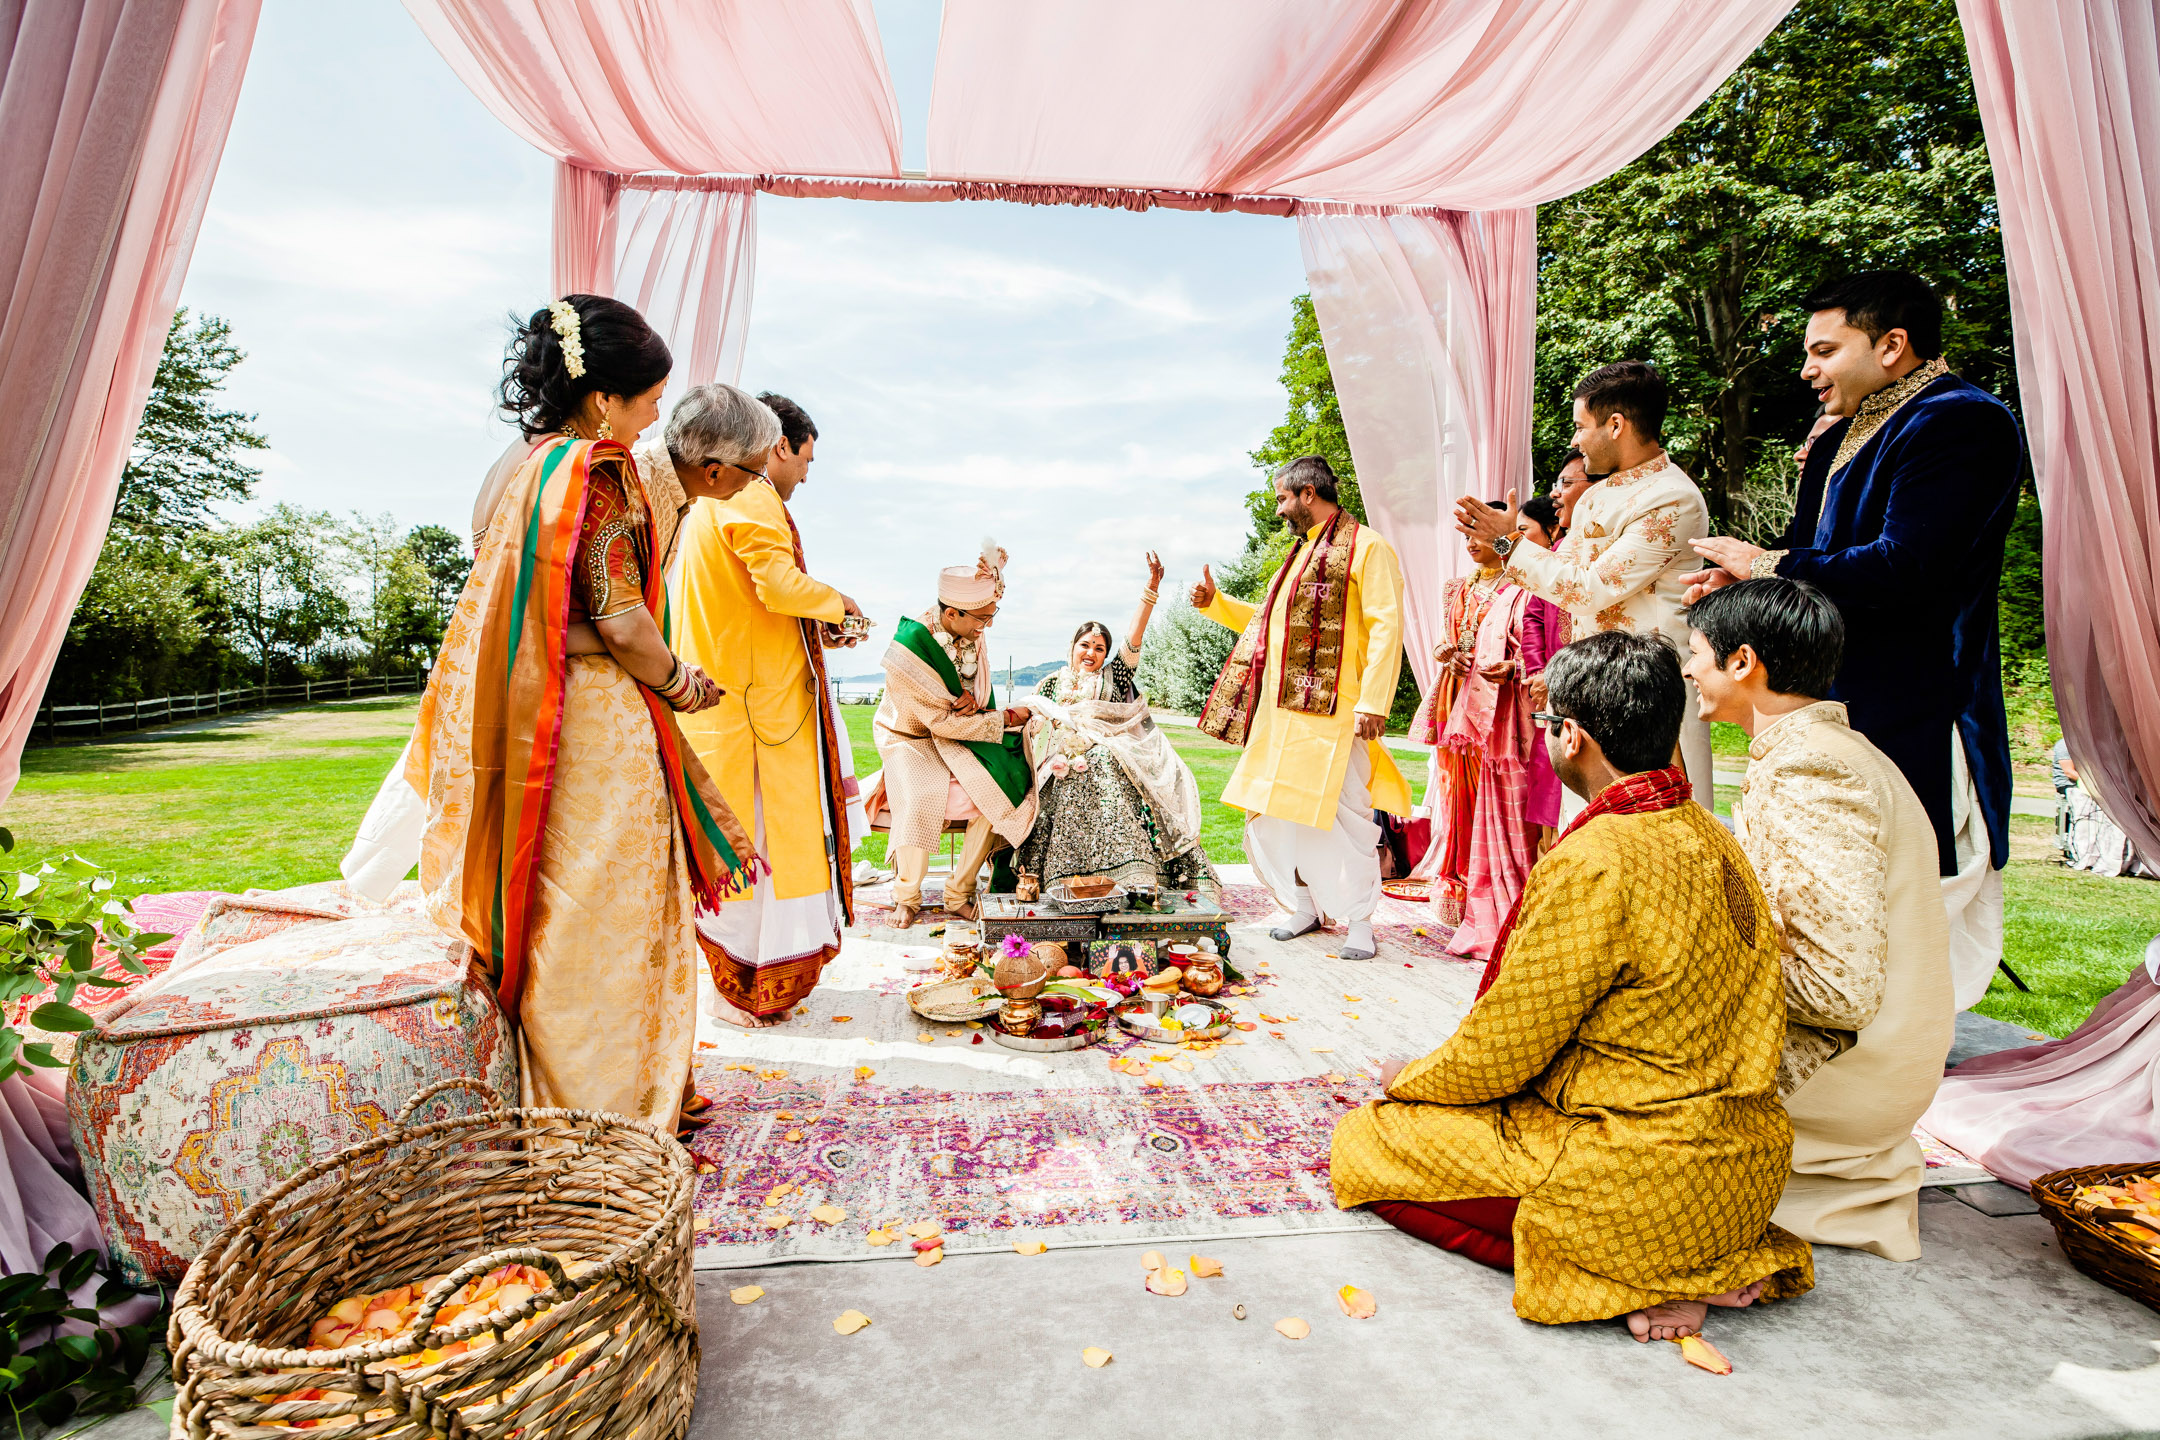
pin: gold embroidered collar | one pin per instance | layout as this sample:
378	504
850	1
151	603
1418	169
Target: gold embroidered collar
1822	712
1637	472
1881	405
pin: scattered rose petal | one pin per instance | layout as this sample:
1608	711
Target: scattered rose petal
746	1294
1029	1247
1202	1267
706	1222
1181	1064
1700	1352
1323	1049
1153	1260
1353	999
1158	1082
1094	1358
783	1188
793	1137
707	1169
929	1243
777	1222
783	1115
924	1229
1166	1282
1357	1304
772	1074
974	1039
1292	1328
879	1237
841	1019
850	1321
1246	1025
828	1214
954	1034
864	1072
926	1038
930	1257
1332	1078
706	1045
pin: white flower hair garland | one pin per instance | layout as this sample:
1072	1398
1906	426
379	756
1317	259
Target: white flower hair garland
564	320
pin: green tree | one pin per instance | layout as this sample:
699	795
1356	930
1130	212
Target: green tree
1849	140
284	588
187	452
2019	611
1314	425
445	557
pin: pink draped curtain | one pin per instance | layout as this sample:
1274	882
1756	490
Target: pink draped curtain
115	113
1428	326
586	213
2070	95
1472	104
688	261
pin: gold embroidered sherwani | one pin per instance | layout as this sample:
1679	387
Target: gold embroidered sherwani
1619	566
1620	1077
1848	858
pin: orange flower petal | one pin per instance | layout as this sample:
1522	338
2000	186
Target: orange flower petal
1701	1353
1169	1283
1357	1304
850	1321
746	1294
1204	1268
1095	1358
930	1257
1292	1328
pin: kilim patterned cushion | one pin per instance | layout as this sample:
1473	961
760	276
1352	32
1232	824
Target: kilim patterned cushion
227	1074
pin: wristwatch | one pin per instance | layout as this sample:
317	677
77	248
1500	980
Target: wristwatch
1504	546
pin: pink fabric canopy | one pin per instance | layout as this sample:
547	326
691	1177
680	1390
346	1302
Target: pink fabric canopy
2070	95
115	115
1428	323
1472	104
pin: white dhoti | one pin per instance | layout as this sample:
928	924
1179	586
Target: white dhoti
1340	865
1974	896
763	930
387	846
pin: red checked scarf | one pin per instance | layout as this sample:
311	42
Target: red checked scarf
1312	650
1644	794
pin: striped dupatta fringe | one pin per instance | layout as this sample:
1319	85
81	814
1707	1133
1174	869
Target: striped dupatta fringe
486	740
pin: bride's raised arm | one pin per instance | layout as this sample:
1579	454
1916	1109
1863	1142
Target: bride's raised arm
1147	603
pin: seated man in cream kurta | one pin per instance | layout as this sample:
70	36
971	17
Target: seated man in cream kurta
1847	856
1307	692
1628	544
950	753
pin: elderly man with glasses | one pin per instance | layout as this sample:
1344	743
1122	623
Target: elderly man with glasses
950	753
1605	1123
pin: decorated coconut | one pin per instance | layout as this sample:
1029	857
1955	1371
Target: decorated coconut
1022	969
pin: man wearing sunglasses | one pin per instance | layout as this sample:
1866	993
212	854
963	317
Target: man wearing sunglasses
1606	1120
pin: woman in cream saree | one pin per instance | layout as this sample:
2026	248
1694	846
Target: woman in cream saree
571	833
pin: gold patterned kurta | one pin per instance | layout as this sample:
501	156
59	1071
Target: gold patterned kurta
1619	1077
1847	856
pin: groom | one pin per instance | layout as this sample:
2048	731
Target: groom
1307	692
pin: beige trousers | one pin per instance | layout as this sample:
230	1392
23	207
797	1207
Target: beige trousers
911	863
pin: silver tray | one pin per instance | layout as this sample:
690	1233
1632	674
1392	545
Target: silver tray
1135	1014
1078	1041
1060	898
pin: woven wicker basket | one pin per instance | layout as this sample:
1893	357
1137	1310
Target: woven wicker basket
455	1197
2098	1249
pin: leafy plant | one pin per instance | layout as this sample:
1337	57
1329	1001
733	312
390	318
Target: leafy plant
57	1377
53	922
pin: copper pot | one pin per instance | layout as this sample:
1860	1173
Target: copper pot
1204	975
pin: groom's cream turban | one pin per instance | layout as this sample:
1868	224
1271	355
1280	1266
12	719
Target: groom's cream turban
965	587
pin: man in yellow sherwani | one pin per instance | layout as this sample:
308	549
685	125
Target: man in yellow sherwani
1849	859
1606	1120
744	609
1307	692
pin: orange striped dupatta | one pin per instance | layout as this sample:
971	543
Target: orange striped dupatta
484	746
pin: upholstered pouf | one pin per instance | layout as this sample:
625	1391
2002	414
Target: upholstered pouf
241	1065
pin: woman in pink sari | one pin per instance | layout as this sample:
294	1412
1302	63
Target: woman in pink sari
1498	643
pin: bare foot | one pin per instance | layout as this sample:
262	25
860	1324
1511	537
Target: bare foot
1669	1321
904	916
736	1015
1739	1299
960	909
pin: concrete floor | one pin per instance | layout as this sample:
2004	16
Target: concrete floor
1990	1335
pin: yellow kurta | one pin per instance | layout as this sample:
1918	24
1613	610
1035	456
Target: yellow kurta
1294	763
736	607
1620	1078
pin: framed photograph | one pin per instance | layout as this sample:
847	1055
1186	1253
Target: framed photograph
1121	957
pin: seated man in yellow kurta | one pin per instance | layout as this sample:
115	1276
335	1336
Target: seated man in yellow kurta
1606	1120
745	609
1307	692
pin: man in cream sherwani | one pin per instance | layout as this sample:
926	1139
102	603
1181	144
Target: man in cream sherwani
1307	693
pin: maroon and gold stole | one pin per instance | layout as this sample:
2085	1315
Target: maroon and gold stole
1644	794
835	796
510	651
1312	645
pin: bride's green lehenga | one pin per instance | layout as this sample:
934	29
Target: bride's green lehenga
1099	820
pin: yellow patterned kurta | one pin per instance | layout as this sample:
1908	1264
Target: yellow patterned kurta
1293	764
1620	1078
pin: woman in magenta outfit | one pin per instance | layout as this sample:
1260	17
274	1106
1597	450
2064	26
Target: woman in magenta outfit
1545	630
1499	653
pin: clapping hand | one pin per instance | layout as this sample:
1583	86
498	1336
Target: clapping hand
1203	594
1474	517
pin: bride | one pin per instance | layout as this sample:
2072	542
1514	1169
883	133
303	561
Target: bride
1116	799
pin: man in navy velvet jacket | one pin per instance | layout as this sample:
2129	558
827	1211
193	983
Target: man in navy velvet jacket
1902	511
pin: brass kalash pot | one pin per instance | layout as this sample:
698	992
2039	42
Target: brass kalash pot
1020	978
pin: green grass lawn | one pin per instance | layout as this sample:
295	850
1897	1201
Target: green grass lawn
272	800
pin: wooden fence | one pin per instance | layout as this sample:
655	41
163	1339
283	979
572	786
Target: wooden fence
56	722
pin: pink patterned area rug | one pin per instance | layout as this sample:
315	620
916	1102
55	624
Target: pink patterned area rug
860	1105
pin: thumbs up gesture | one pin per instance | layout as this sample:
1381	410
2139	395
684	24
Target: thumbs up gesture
1203	594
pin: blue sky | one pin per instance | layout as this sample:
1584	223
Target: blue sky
1082	384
